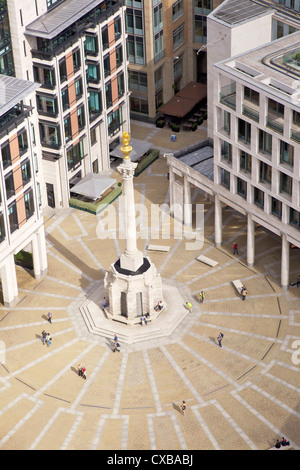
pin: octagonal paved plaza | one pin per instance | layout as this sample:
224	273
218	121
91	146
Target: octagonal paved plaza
244	395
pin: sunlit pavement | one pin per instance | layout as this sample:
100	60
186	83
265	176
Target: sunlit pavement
244	395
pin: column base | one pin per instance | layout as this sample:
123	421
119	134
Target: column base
11	303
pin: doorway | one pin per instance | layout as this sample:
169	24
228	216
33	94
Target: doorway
50	195
139	304
123	304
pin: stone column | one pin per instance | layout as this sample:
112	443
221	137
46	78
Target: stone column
187	201
285	262
218	221
132	258
171	189
250	241
9	282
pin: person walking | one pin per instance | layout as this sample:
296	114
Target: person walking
79	368
244	292
201	297
116	344
220	338
44	336
83	372
183	407
189	306
48	339
49	317
235	249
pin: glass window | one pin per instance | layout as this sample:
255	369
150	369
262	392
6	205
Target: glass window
23	141
265	173
251	95
65	98
26	172
225	178
44	76
286	184
47	105
242	187
259	197
29	203
265	142
2	228
6	157
227	152
245	161
67	129
78	89
75	155
50	135
286	153
244	131
95	104
121	86
9	185
62	70
177	9
13	217
76	60
178	37
91	45
81	118
93	73
295	218
276	207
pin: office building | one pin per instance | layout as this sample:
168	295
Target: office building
21	222
75	49
254	119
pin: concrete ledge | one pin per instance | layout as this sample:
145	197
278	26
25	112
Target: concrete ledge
158	248
238	285
208	261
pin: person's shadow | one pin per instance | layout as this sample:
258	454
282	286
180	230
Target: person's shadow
177	408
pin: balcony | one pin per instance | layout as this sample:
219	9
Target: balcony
275	122
251	111
227	96
13	118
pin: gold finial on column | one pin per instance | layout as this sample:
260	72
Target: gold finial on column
126	148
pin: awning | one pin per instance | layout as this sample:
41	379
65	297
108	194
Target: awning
93	185
185	100
139	148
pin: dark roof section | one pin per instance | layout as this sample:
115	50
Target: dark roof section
185	100
13	91
237	11
55	21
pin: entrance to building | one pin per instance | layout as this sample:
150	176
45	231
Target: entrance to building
139	304
123	304
50	195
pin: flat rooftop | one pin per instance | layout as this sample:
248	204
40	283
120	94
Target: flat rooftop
13	91
55	21
267	66
237	11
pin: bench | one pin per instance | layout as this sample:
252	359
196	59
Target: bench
158	248
238	285
208	261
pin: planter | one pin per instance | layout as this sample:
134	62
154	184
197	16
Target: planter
175	127
194	127
95	208
160	124
146	161
24	259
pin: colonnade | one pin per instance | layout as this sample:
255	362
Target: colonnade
251	223
8	268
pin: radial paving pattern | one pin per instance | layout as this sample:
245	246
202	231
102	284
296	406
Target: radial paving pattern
241	396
